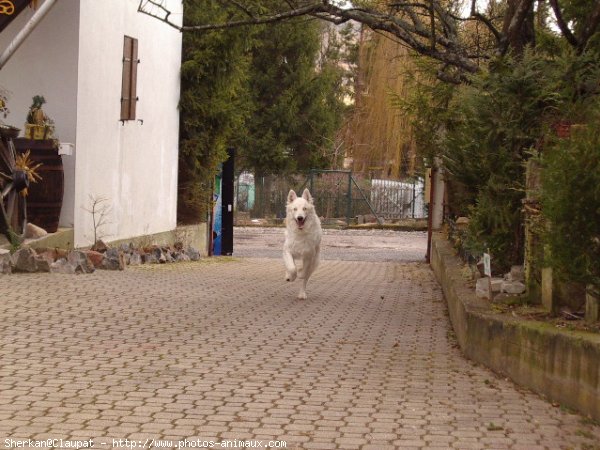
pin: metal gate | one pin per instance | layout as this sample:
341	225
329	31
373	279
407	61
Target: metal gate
340	196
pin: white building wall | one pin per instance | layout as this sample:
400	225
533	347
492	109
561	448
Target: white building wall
74	59
133	165
46	64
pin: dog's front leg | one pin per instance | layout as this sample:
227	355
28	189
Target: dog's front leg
308	267
290	266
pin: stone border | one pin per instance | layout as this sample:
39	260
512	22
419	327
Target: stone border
561	365
194	235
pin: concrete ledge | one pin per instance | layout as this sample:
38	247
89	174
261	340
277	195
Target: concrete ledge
63	238
561	365
194	235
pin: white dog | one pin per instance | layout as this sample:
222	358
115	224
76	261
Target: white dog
302	238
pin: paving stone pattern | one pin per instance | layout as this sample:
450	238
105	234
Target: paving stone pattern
221	349
345	245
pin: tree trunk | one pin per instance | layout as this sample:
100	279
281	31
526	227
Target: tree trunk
518	28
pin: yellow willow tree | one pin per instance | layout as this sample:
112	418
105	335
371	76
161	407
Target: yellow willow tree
378	137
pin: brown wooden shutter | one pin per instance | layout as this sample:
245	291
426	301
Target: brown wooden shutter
129	83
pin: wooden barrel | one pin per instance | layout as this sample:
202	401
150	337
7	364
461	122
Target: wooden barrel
45	198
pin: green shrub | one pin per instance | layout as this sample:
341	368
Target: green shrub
571	203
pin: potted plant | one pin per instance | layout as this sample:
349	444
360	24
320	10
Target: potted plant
38	125
6	131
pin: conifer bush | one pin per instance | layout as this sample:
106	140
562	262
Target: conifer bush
571	204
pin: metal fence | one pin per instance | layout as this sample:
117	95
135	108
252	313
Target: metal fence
339	196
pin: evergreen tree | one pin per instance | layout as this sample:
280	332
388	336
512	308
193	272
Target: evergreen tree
297	105
214	105
262	90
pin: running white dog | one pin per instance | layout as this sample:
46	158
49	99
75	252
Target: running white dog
302	238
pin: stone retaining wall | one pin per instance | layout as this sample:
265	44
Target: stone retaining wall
561	365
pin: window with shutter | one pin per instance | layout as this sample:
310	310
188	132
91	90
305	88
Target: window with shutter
128	89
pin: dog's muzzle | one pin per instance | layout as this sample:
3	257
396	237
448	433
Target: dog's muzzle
300	221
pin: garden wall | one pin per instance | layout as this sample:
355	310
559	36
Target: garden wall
559	364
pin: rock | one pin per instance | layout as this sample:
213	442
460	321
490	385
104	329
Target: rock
34	232
5	266
80	261
95	257
150	258
113	260
43	265
497	284
99	246
181	257
155	255
193	253
517	273
46	254
24	260
160	254
57	253
126	248
482	289
52	254
513	287
462	223
135	259
61	265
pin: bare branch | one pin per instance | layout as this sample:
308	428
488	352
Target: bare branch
302	11
418	35
564	28
486	21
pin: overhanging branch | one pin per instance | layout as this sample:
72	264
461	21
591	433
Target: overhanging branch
562	25
418	35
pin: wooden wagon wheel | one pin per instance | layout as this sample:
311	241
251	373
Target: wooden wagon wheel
14	181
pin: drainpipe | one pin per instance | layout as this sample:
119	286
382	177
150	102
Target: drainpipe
26	31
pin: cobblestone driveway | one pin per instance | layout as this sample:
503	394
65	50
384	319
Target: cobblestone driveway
221	349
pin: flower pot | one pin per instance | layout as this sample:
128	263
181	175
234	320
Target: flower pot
38	132
562	129
8	132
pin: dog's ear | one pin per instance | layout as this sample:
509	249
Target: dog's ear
291	196
306	196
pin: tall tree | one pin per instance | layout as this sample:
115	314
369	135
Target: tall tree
433	28
297	99
267	91
214	104
379	139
